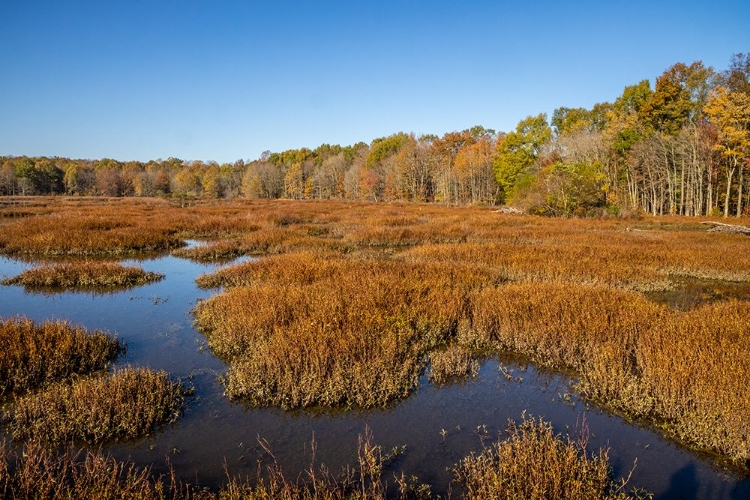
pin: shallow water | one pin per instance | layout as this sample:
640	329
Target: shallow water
438	425
689	293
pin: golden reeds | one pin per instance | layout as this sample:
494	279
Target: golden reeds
452	363
83	275
333	334
37	472
355	297
126	404
534	462
35	354
214	251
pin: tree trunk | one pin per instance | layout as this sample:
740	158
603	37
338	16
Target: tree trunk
730	173
739	192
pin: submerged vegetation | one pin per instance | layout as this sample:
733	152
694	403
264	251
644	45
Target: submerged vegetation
126	404
83	275
33	355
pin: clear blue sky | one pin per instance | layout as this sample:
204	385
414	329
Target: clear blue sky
220	80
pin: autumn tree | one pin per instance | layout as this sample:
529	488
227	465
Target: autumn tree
263	179
474	173
446	150
729	111
414	168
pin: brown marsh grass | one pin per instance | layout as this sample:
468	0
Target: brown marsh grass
34	354
83	275
452	363
534	462
214	251
686	371
322	333
39	473
354	297
126	404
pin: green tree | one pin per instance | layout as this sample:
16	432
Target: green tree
518	152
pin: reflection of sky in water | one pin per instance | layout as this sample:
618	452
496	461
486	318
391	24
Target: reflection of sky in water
437	425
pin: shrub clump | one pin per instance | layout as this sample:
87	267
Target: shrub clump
33	354
533	462
126	404
85	275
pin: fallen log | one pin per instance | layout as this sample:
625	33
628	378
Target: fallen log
720	227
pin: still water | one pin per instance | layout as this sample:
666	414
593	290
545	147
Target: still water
437	425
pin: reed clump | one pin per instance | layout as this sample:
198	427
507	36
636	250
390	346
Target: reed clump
89	235
455	362
684	371
329	333
534	462
214	251
126	404
83	275
37	472
34	354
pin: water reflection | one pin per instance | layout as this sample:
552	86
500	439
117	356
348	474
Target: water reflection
438	425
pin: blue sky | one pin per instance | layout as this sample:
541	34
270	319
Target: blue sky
223	80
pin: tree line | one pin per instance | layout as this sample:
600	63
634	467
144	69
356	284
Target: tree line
681	146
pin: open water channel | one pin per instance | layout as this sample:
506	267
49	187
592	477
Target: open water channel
437	425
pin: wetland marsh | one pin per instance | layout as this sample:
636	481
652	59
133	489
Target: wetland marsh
325	322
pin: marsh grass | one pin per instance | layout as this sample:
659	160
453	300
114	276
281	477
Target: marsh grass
353	297
214	251
311	332
452	363
83	275
534	462
37	472
33	355
644	360
127	404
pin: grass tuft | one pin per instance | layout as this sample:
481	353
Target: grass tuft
452	363
126	404
534	462
33	354
84	275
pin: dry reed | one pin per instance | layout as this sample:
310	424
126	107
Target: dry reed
312	332
215	251
535	463
83	275
127	404
39	473
640	358
33	354
452	363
